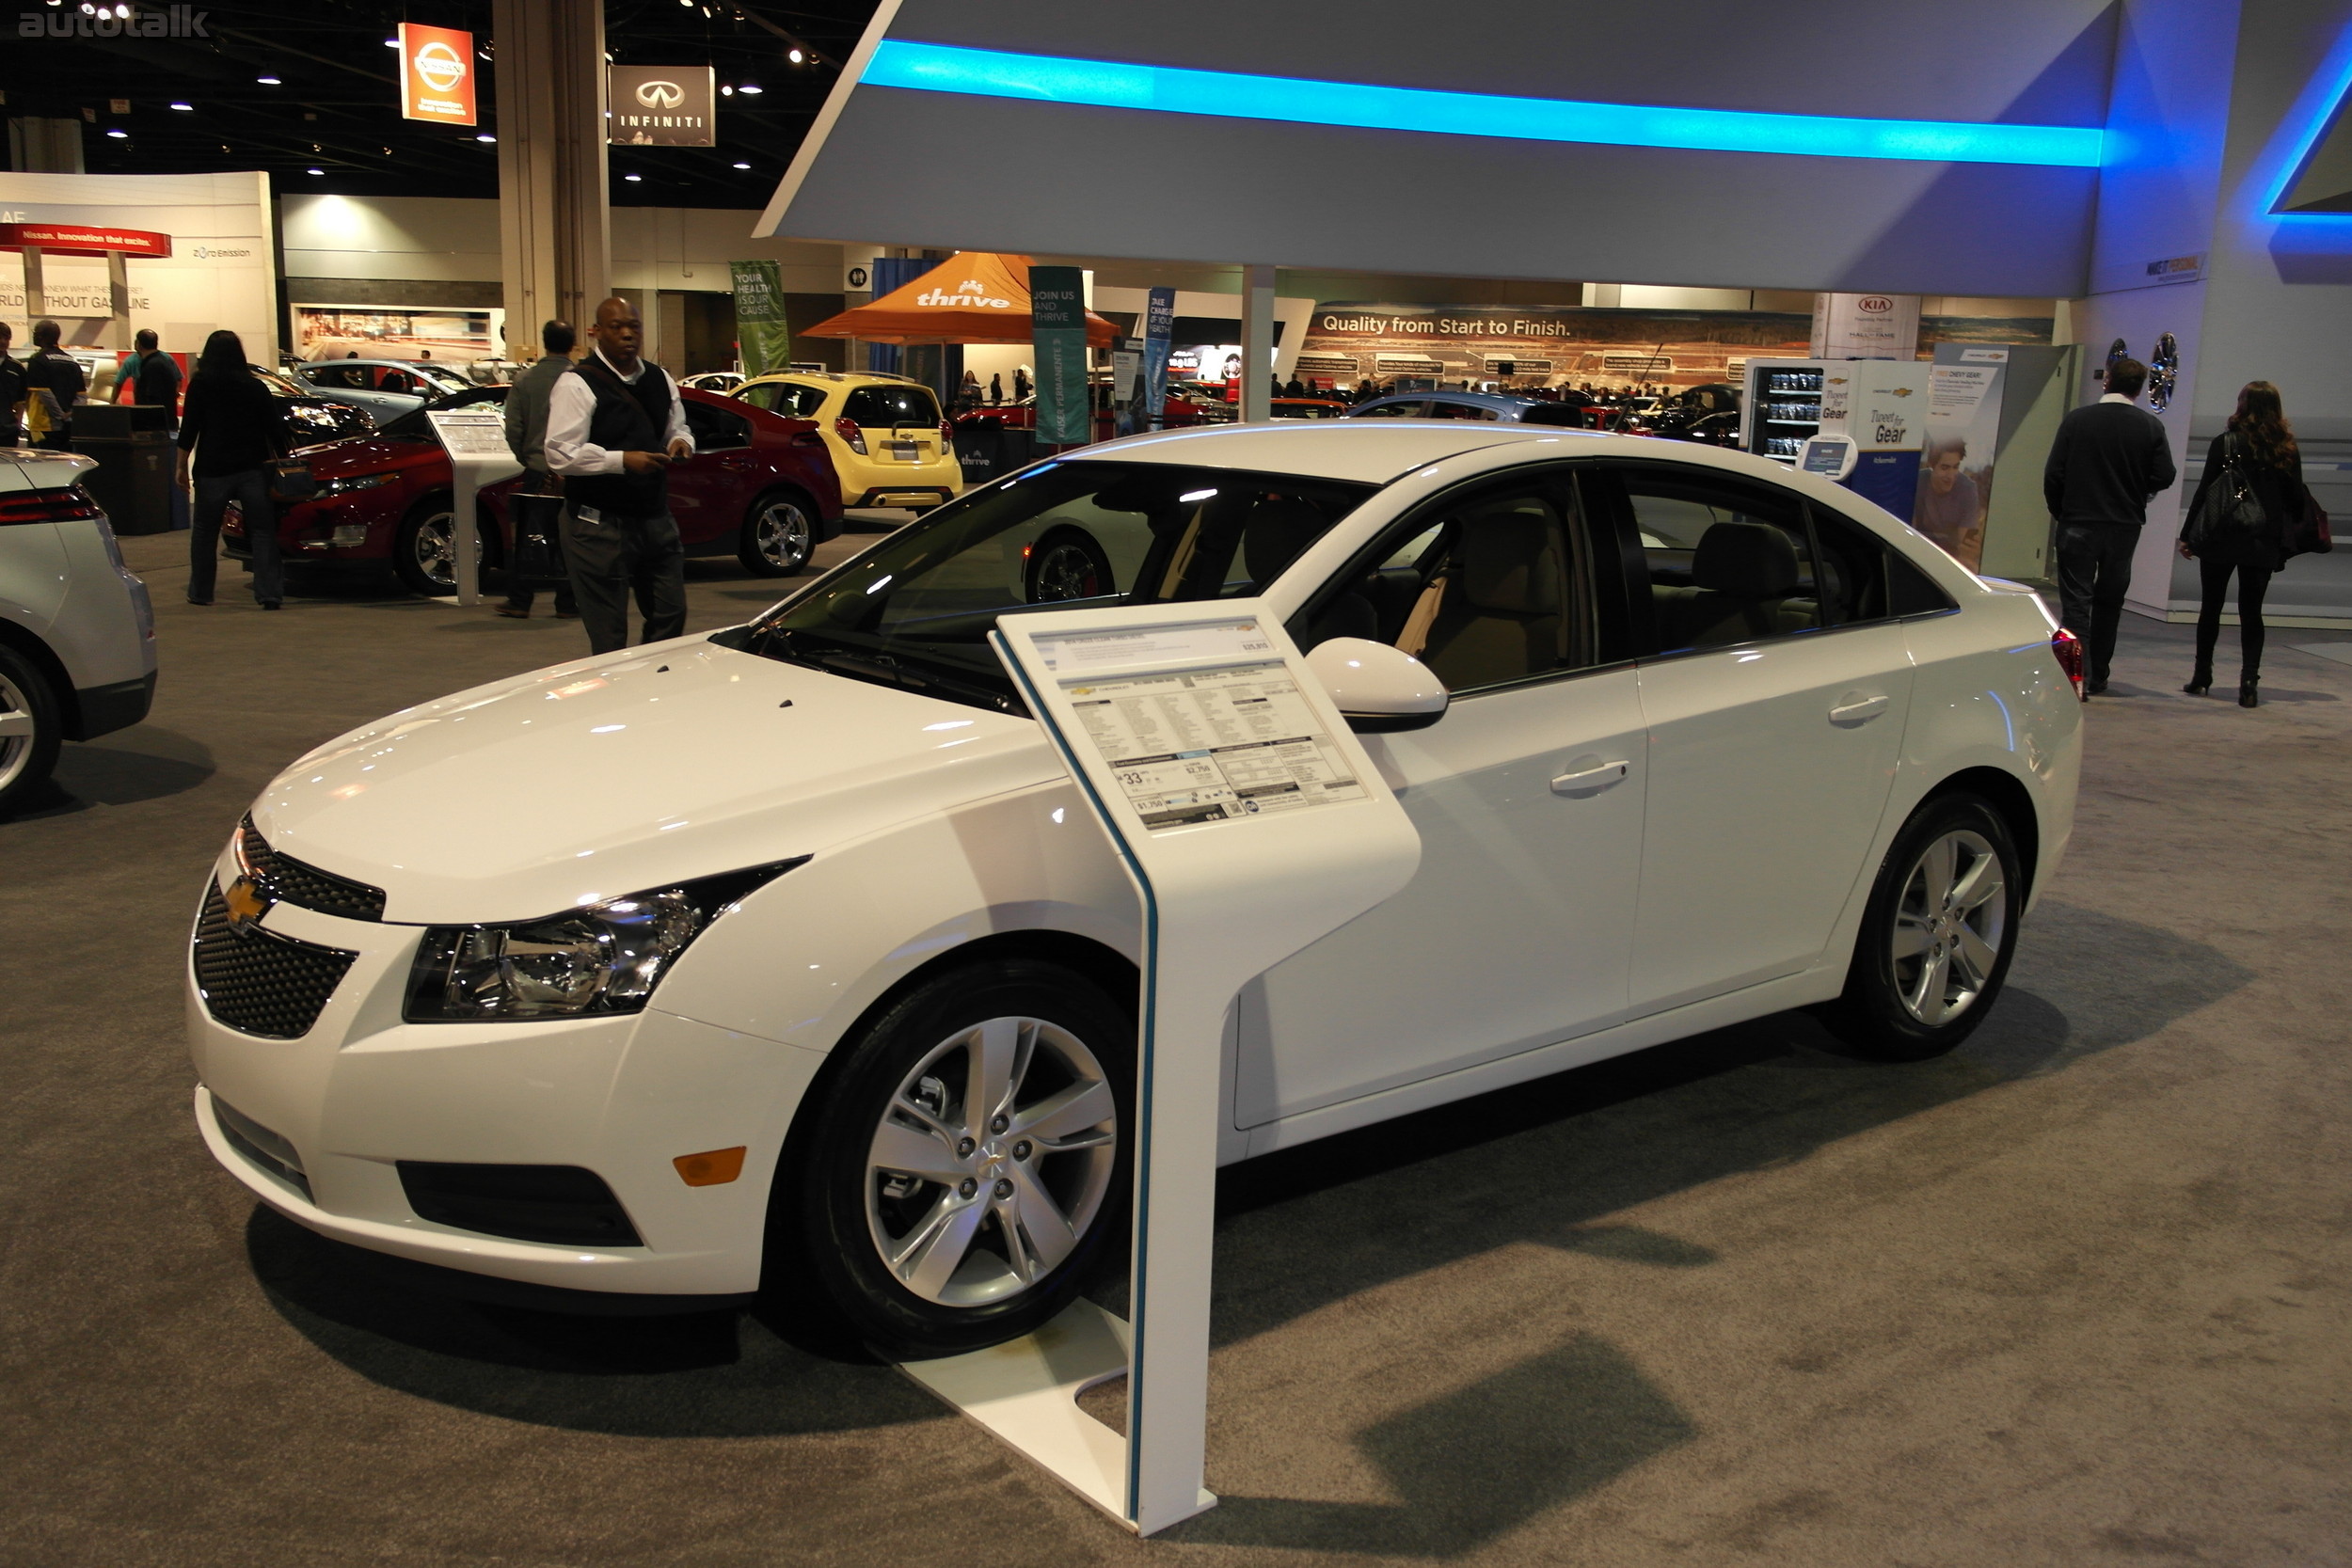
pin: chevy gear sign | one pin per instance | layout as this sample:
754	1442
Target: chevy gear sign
662	105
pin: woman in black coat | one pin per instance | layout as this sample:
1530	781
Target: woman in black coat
233	427
2260	446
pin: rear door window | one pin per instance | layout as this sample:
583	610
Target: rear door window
792	399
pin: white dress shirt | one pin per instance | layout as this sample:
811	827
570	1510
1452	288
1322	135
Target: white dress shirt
573	402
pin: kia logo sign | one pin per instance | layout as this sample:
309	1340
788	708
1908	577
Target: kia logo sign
439	66
1874	305
661	95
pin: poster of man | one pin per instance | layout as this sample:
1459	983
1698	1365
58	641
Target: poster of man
1955	467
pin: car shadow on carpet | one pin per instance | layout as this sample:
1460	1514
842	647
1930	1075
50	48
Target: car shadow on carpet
700	1374
142	762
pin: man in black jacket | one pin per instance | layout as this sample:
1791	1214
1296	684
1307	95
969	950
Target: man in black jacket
53	371
2108	461
615	423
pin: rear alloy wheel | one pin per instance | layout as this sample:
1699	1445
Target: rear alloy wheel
969	1161
1067	563
1936	936
777	537
424	550
30	729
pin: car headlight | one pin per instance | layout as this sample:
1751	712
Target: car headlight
602	958
356	482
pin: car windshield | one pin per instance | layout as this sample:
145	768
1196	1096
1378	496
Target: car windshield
916	609
414	426
441	379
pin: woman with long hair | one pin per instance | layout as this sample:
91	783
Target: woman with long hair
2258	447
233	427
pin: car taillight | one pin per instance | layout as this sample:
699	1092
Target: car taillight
946	436
2069	649
66	505
848	430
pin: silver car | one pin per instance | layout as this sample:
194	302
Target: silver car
386	388
77	634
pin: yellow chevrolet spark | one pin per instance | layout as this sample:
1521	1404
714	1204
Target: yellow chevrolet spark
889	442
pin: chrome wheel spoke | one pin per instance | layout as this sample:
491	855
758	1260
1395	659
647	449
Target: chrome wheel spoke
1936	869
1044	1233
13	725
930	1254
1927	992
1981	881
928	1153
1975	957
1913	936
999	1052
1064	1118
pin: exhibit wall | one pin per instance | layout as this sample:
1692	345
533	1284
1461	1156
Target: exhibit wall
1296	190
221	272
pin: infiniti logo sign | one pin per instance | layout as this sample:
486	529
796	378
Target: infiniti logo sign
661	95
662	105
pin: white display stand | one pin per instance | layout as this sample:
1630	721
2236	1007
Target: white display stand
475	438
1252	824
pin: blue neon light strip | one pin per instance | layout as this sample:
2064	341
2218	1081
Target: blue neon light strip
1116	85
2338	74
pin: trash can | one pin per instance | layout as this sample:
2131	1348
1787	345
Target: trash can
979	445
133	480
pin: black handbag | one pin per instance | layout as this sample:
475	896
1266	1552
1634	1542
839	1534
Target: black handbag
291	481
2230	508
538	553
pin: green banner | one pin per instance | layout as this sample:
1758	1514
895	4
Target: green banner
761	334
1058	331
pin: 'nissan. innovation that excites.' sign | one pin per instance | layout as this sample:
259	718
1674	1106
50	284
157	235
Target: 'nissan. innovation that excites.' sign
662	105
437	74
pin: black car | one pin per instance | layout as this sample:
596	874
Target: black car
312	420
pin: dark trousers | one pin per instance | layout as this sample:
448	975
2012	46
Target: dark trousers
2095	574
524	594
60	439
611	558
250	491
2252	583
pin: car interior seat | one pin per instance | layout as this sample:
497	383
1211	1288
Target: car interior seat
1744	577
1502	615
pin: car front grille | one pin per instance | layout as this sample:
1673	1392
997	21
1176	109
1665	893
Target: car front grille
258	982
289	880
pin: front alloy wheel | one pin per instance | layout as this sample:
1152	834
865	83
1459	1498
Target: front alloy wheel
956	1182
1936	936
31	728
425	552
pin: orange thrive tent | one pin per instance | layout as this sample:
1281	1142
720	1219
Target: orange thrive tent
973	296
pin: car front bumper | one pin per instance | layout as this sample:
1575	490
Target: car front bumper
622	1097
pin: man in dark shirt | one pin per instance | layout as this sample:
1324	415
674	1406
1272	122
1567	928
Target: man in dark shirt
2108	461
53	371
158	383
11	391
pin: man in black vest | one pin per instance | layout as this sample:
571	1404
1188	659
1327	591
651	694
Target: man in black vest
614	425
2107	462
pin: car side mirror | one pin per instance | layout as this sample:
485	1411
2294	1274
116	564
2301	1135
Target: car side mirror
1379	689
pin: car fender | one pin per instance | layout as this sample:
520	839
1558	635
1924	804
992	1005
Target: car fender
802	960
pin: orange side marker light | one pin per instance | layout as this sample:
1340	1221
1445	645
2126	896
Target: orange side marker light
712	1168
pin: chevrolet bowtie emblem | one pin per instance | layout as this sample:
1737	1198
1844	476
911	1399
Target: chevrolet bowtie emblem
247	904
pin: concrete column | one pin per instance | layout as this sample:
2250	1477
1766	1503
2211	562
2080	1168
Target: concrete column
36	288
1257	343
555	230
118	297
37	146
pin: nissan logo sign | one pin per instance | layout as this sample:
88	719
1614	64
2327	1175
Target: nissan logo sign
661	95
439	66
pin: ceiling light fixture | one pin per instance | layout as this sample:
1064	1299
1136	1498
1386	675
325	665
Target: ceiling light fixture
485	136
314	171
268	81
742	165
796	56
391	44
118	135
749	87
632	177
726	91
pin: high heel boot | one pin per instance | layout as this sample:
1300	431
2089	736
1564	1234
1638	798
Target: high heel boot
2248	696
2199	680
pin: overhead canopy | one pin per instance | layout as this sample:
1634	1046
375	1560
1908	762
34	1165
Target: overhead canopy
973	296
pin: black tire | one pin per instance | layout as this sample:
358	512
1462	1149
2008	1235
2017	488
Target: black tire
836	1206
779	534
1907	1008
1067	563
27	756
428	570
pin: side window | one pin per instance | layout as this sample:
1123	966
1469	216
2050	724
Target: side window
1394	411
1444	410
1495	588
1728	561
760	396
715	428
1853	572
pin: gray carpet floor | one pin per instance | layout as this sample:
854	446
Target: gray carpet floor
2076	1295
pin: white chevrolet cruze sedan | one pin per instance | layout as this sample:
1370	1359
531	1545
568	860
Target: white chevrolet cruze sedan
790	950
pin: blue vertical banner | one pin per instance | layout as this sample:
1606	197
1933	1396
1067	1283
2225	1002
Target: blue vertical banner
891	274
1058	331
1159	323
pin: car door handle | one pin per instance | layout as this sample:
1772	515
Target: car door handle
1585	781
1857	710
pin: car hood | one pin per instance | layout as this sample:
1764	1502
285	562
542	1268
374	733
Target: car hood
609	776
371	455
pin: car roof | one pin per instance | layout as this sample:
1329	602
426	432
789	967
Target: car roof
1367	451
846	378
1499	401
